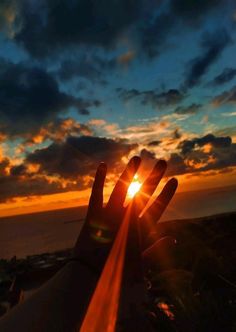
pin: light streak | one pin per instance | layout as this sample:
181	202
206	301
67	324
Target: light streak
101	315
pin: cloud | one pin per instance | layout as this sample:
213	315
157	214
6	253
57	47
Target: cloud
176	134
191	109
8	13
4	166
187	146
154	34
152	97
202	154
17	181
212	45
154	143
192	11
86	66
178	14
226	97
12	186
61	167
224	77
59	130
30	98
72	23
70	165
199	154
229	114
126	57
79	156
230	131
104	23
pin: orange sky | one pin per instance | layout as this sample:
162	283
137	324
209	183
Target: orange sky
32	204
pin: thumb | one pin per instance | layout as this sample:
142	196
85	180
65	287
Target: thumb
161	254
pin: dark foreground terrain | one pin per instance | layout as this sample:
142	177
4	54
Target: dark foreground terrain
194	291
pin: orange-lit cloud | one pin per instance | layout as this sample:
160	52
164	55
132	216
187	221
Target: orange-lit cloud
59	130
8	14
126	58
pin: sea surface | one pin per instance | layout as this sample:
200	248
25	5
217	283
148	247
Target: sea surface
57	230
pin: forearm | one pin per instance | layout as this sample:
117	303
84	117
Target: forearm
59	305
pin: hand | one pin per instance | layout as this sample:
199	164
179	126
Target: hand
148	220
102	223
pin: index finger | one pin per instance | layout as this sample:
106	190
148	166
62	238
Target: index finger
96	198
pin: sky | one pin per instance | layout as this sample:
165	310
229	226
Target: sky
85	81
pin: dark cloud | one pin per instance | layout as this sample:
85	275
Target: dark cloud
212	45
84	111
86	66
8	10
176	134
4	163
12	186
154	143
18	170
226	76
176	165
48	26
152	97
187	146
79	156
30	98
153	35
193	157
226	97
161	24
200	154
192	11
19	183
59	130
191	109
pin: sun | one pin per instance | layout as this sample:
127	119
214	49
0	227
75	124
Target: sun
134	187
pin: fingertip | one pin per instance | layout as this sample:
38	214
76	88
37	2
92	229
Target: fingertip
102	167
174	182
136	160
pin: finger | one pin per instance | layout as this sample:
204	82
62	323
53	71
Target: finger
150	185
154	212
96	198
157	208
118	195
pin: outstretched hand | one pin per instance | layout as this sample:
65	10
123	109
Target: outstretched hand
102	223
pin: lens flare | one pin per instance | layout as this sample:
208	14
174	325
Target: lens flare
134	187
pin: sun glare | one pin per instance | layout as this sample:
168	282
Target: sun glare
134	187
